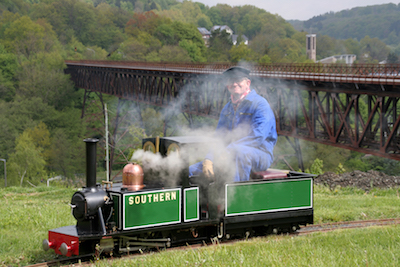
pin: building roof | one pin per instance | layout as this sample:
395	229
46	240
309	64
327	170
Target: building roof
204	31
221	28
235	37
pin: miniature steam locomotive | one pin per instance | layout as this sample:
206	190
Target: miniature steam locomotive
132	216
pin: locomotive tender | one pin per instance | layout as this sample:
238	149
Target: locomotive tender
132	216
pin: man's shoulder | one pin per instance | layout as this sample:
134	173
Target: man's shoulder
254	97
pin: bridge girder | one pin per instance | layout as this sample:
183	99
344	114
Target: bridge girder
363	117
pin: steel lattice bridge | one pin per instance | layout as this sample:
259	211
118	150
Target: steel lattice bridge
349	106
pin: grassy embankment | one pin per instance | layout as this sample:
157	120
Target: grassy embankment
27	214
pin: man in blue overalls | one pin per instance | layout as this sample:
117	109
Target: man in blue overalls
247	126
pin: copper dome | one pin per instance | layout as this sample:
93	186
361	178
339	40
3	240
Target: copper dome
132	177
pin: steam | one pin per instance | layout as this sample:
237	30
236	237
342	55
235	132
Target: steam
201	93
189	99
164	169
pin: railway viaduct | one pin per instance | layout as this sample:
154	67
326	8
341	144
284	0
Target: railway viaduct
348	106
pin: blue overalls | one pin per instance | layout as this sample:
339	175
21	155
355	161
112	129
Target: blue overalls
250	135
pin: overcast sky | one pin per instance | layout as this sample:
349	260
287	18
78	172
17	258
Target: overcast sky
299	9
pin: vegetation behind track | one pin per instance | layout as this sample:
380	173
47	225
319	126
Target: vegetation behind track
28	213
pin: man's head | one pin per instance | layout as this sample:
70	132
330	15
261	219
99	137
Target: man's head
237	80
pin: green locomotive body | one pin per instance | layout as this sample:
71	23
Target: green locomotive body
194	210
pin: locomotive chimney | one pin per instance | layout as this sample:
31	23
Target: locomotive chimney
91	162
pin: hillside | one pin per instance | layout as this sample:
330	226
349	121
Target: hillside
378	21
41	110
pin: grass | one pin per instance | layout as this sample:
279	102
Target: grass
349	204
26	216
28	213
379	246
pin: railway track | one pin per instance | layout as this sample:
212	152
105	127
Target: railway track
327	227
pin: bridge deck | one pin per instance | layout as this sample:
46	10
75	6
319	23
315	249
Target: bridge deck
354	107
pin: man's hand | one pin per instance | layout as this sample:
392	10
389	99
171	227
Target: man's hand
208	168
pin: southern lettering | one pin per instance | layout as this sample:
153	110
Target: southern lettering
152	198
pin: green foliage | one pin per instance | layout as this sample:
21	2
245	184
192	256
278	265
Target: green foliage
193	50
286	51
26	164
317	166
173	54
340	169
8	68
25	37
189	38
40	138
43	76
392	58
153	36
372	50
220	45
242	52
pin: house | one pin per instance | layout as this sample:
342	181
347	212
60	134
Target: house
346	58
234	37
205	34
222	28
245	40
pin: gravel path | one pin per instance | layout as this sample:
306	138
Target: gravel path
363	180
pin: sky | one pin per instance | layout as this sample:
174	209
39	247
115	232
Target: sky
299	9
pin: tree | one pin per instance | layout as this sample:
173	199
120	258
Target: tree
352	46
242	52
193	50
26	163
186	36
173	54
8	68
287	51
166	34
392	58
373	50
25	37
43	76
204	21
40	137
8	132
220	45
66	154
325	46
144	22
133	49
